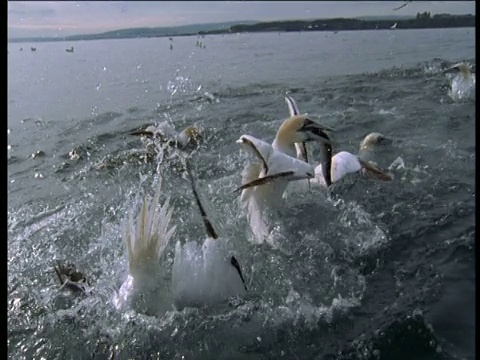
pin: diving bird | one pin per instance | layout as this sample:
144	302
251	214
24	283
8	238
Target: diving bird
334	167
264	182
463	83
145	239
208	273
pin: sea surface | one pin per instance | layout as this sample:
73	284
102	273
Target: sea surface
373	271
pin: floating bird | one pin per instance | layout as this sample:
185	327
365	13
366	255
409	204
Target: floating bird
69	49
264	183
33	49
371	140
145	239
344	163
205	274
164	132
37	154
334	167
72	279
463	84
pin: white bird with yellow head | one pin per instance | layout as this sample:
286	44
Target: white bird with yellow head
265	182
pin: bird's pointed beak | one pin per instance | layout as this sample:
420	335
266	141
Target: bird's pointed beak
142	133
315	131
451	70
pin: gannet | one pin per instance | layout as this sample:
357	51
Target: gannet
205	274
72	279
344	163
264	183
145	240
370	140
190	136
461	68
301	148
298	129
333	168
258	200
403	5
463	84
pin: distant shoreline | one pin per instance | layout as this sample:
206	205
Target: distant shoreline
421	21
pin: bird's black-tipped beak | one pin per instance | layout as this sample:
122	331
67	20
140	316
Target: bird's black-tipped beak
268	179
452	70
141	133
315	131
206	221
236	265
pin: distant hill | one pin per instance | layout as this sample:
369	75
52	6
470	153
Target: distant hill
386	17
420	21
143	32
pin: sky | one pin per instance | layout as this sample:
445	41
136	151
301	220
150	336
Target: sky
63	18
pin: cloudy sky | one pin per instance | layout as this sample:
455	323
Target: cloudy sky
60	18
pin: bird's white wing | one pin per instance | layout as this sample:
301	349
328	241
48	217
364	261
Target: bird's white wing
254	200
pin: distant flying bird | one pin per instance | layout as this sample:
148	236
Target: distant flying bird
403	5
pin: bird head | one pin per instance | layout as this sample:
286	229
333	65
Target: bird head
461	68
300	128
